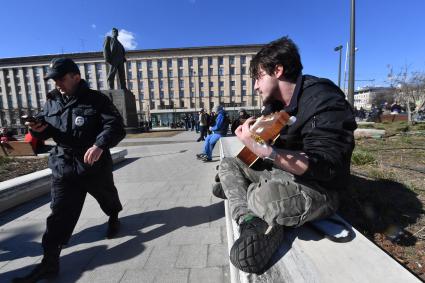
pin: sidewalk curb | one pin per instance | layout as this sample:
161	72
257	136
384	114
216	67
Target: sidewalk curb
27	187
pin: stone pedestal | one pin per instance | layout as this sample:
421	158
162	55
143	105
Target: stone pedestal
126	104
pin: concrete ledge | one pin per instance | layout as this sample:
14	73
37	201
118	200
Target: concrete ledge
306	256
369	133
27	187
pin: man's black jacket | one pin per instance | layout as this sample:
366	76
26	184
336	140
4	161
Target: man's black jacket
88	118
323	130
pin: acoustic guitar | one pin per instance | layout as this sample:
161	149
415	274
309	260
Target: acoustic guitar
265	130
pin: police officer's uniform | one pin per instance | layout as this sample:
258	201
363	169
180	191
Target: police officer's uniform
88	118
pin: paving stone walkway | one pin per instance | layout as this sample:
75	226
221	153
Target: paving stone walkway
173	229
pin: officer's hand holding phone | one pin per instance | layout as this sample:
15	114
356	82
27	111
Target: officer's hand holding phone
34	124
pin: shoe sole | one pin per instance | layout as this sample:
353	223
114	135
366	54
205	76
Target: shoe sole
252	254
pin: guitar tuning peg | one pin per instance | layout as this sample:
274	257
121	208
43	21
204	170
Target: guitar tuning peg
292	120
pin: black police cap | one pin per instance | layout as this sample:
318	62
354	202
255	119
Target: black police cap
59	67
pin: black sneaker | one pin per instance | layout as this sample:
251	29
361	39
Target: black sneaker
218	191
200	155
113	227
47	269
256	245
206	159
217	178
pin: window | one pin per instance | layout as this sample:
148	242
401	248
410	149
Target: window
169	63
210	71
171	84
232	83
221	92
139	64
200	62
149	63
160	73
243	70
210	61
151	84
140	74
170	73
211	84
243	82
243	92
190	62
179	62
211	93
161	94
220	71
181	93
129	75
201	94
201	72
201	84
130	85
232	93
181	83
243	59
220	60
159	62
150	74
220	83
161	84
180	72
232	70
232	60
141	96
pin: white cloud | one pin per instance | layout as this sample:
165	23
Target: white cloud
127	38
93	26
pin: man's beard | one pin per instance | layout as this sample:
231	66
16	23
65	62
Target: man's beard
271	106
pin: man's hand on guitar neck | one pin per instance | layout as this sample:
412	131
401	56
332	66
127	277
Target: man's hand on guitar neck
245	136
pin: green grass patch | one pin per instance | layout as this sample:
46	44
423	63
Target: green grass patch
361	157
4	160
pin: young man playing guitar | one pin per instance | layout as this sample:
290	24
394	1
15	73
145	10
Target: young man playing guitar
301	173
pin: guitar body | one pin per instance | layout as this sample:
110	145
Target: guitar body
266	129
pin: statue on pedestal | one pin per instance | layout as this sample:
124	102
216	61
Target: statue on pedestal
114	54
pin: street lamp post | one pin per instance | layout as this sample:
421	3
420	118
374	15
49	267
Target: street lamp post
352	55
339	48
195	80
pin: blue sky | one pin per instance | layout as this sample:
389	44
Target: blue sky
387	32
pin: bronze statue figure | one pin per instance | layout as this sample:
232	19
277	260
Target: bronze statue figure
114	54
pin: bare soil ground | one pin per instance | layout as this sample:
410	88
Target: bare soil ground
14	167
386	197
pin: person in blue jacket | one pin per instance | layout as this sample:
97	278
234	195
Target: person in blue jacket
219	129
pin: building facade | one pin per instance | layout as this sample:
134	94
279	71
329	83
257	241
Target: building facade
366	97
165	82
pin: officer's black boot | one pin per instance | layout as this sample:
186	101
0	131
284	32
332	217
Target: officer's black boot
47	269
113	226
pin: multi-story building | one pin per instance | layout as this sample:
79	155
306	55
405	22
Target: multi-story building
165	82
367	96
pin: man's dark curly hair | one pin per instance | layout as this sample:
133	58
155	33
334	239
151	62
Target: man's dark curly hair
282	51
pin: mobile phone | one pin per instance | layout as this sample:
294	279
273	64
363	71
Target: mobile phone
31	119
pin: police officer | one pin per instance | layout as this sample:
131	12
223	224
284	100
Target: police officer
84	124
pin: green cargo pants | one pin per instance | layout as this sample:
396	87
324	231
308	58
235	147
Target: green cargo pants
274	195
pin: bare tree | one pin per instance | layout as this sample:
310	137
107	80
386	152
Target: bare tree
410	89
